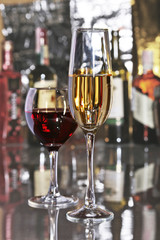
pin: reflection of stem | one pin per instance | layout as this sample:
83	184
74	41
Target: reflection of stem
89	231
90	196
74	164
53	168
53	219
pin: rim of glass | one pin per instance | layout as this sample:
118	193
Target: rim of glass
92	29
50	88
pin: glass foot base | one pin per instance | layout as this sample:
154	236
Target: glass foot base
55	202
89	215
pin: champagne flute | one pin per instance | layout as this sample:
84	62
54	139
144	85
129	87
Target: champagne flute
90	97
49	119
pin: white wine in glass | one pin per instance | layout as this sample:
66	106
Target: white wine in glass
90	97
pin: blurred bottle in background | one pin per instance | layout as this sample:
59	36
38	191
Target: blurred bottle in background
147	179
142	102
41	175
156	111
117	124
14	192
3	112
128	215
10	188
41	75
146	194
10	96
114	180
114	185
10	173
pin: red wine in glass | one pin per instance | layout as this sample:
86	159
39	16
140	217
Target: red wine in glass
51	127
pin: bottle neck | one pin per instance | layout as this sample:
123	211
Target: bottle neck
147	61
7	56
115	46
147	69
42	53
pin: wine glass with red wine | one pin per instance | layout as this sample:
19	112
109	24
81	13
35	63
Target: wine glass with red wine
49	119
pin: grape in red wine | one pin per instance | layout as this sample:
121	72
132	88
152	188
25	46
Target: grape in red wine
51	127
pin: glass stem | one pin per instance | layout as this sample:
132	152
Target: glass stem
90	195
53	189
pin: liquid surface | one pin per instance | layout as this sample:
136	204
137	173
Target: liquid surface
51	127
90	100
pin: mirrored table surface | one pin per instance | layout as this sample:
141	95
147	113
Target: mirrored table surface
127	182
